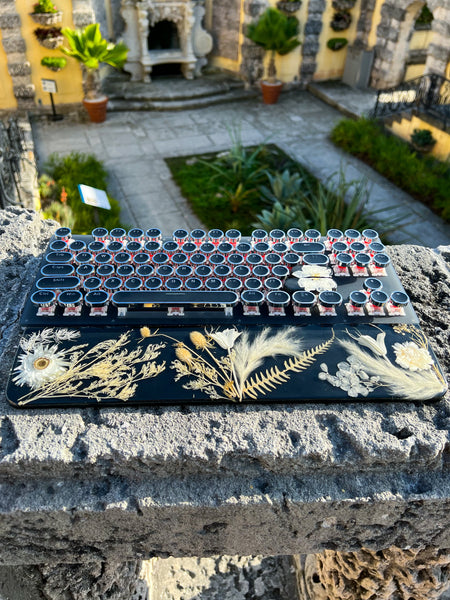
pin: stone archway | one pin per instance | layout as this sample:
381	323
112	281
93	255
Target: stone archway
393	34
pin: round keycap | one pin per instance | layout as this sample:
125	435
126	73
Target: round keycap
261	248
280	248
334	235
180	236
213	284
339	247
399	299
92	283
356	247
122	258
133	247
83	257
173	284
303	299
280	271
261	271
105	271
179	258
358	299
112	284
273	259
330	299
85	270
312	235
160	258
70	298
294	234
103	258
132	283
277	235
378	298
233	236
381	260
343	259
252	297
215	236
320	260
198	259
125	270
43	298
77	246
136	234
58	245
243	248
193	283
152	246
117	233
189	248
351	235
273	283
369	235
254	259
278	298
371	284
376	247
203	272
362	260
63	233
144	270
97	298
241	271
252	283
114	247
153	283
216	259
184	271
207	248
96	247
198	235
99	233
164	271
170	247
141	258
154	234
233	284
222	271
235	259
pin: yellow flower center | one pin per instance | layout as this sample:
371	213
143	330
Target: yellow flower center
41	363
229	389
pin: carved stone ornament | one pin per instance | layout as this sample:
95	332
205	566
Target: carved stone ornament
141	15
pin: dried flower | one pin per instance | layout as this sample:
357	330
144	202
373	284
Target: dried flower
409	356
199	340
225	338
183	354
42	364
145	332
377	346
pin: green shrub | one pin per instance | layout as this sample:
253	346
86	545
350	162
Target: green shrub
62	213
71	170
54	63
422	138
44	6
425	179
336	44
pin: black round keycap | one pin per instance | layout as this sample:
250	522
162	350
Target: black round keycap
105	270
273	259
371	284
222	271
376	247
183	271
95	247
320	260
334	235
277	235
132	283
141	258
259	235
83	257
97	298
92	283
233	283
225	248
273	283
278	298
213	283
352	235
252	297
233	235
136	234
153	234
280	247
357	247
339	247
294	234
241	271
43	298
197	235
203	271
112	284
207	248
180	235
99	233
215	235
189	248
399	299
153	283
243	248
312	235
173	284
103	258
343	259
362	260
170	247
303	299
235	259
381	260
179	258
291	259
144	270
280	271
358	299
57	270
152	247
329	299
369	235
133	247
379	298
125	270
63	232
261	271
217	259
58	245
254	259
70	298
164	271
160	258
77	246
261	247
252	283
193	283
115	247
198	259
85	270
122	258
117	233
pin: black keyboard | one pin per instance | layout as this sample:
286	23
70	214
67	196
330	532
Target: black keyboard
136	317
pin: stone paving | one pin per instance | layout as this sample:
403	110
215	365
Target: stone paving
133	146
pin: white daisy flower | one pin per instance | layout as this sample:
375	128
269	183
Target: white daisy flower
409	356
38	366
225	338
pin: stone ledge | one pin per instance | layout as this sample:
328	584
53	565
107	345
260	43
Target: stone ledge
112	483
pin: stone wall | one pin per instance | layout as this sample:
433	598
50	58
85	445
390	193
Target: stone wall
225	28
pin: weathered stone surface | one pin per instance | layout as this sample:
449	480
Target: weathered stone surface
9	21
225	28
13	43
121	484
313	27
19	69
24	91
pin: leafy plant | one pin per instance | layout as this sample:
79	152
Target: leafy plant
422	138
67	172
44	6
90	49
62	213
284	187
45	33
341	20
426	179
277	34
425	18
336	44
54	63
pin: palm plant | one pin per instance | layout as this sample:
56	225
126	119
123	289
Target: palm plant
277	34
90	49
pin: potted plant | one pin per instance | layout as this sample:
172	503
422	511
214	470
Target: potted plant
277	34
289	6
343	4
46	13
49	37
337	43
422	140
54	63
90	49
341	20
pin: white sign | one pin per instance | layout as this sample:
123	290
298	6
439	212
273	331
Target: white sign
49	85
94	197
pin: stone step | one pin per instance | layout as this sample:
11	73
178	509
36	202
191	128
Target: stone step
135	104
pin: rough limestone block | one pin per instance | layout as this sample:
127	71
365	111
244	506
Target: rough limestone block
123	484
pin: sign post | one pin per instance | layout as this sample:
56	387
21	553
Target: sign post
49	85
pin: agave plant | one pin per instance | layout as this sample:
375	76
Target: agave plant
90	49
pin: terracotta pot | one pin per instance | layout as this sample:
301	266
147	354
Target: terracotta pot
271	91
96	109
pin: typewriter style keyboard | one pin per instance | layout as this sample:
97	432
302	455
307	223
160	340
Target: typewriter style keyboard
122	276
118	318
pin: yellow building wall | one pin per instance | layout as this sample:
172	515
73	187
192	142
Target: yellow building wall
376	19
330	64
405	128
7	98
69	80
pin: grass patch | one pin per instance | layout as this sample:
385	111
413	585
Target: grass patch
426	179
